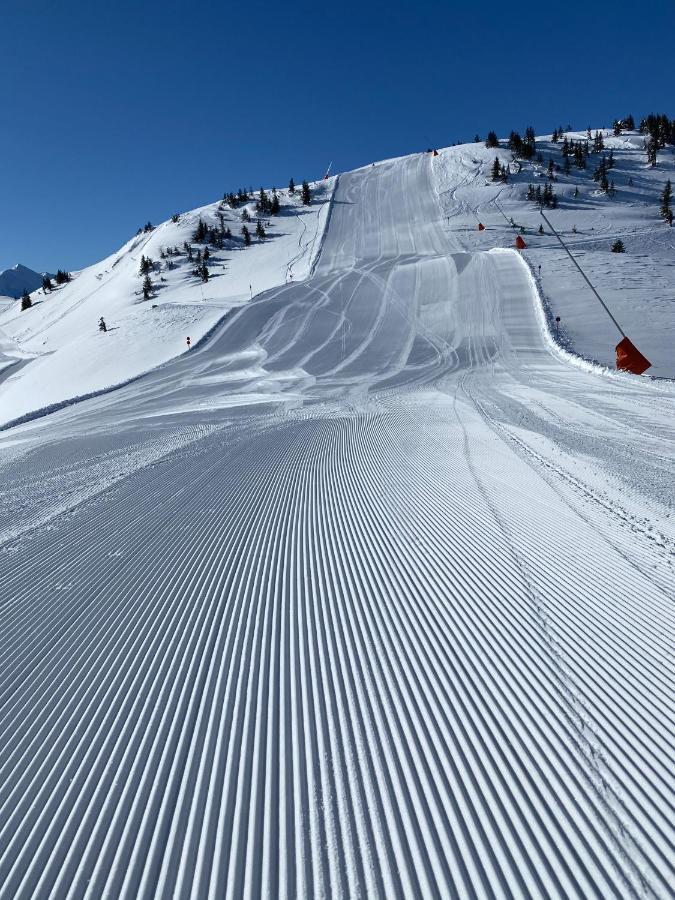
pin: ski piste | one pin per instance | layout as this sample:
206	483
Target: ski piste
368	594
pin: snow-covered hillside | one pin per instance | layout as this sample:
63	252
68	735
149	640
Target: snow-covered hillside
59	334
638	285
54	352
369	595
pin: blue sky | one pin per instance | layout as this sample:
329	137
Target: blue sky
118	113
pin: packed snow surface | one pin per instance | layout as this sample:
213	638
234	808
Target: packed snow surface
370	594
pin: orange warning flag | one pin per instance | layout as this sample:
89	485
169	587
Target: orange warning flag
481	227
520	243
629	358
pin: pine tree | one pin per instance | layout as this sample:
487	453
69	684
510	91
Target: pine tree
147	288
618	247
291	187
629	123
46	283
26	302
306	194
496	170
666	197
652	148
200	232
245	217
491	140
146	265
260	231
175	218
275	206
206	254
204	272
247	235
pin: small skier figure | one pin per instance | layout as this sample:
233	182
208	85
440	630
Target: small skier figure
540	270
189	342
101	324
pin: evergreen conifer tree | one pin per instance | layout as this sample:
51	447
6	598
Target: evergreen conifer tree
291	187
259	231
26	302
491	140
618	247
246	235
147	287
306	193
666	197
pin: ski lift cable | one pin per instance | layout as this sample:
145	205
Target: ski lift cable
583	275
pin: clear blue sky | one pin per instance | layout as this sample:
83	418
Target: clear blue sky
116	113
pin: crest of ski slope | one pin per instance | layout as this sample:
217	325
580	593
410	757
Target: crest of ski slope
638	286
70	358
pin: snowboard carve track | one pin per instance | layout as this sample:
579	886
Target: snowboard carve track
365	641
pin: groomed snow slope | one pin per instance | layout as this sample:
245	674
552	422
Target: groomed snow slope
638	285
370	595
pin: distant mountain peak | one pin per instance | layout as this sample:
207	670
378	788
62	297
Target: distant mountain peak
14	281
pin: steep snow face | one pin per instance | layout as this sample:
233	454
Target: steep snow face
369	595
71	358
14	281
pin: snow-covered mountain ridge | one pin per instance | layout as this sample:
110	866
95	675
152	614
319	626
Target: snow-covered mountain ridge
14	281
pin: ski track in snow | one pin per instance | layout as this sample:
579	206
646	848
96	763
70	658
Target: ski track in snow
370	595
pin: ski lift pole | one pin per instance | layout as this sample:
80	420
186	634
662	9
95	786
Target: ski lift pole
583	275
